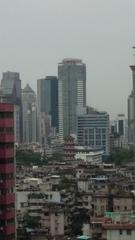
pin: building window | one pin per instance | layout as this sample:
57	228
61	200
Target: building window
98	130
128	232
120	232
50	196
6	114
46	214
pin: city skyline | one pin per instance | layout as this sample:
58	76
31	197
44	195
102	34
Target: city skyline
102	37
92	104
67	119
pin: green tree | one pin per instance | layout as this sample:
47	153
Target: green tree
65	183
56	157
31	222
78	220
29	157
121	156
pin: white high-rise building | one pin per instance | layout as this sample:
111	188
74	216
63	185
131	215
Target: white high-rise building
72	94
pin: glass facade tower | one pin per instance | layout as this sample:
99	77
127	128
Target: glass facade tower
72	94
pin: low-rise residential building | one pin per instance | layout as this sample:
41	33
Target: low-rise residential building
121	226
52	219
60	197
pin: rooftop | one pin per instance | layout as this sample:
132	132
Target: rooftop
28	89
84	237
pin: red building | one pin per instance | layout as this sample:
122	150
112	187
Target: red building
7	173
69	148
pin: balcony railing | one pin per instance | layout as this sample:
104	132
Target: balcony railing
7	153
7	168
6	138
7	214
5	107
7	183
8	230
7	199
6	122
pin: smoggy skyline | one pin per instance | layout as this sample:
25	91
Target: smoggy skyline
37	34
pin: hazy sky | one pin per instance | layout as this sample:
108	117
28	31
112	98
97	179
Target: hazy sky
37	34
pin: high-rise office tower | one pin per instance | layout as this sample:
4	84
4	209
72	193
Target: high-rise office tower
11	87
29	115
11	91
93	130
121	130
121	125
47	104
72	94
7	173
133	97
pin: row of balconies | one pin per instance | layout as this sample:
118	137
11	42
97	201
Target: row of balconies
7	183
7	153
6	137
6	122
9	214
7	168
7	199
7	230
6	107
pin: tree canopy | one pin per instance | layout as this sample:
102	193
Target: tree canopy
121	156
28	157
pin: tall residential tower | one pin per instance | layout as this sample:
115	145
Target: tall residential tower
7	173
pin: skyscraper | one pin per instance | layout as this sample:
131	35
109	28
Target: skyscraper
72	94
29	115
130	120
7	173
47	102
121	125
11	87
133	98
11	91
